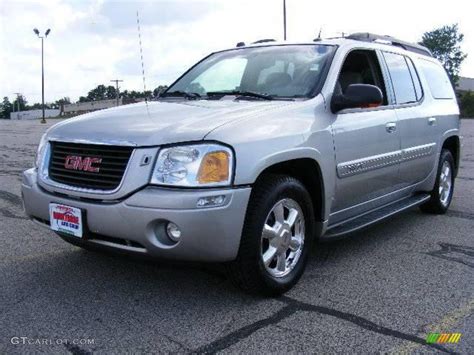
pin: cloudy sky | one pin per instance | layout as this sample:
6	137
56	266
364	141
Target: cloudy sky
94	41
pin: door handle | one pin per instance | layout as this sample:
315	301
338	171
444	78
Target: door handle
391	127
432	121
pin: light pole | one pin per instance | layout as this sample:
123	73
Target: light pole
284	20
42	67
117	93
18	95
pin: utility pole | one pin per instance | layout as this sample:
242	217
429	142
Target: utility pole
116	81
42	67
18	95
284	20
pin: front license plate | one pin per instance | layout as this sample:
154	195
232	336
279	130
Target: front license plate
66	219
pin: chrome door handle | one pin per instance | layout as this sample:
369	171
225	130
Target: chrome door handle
432	121
391	127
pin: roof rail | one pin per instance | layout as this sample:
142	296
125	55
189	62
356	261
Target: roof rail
371	37
264	40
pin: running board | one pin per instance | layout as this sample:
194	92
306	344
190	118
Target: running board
367	219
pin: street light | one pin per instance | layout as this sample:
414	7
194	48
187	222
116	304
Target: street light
35	30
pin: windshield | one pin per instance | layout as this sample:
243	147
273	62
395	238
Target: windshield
288	71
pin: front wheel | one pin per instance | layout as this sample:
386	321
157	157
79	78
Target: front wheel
276	238
442	193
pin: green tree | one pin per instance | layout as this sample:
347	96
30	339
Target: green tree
36	106
111	93
445	44
467	104
159	89
20	103
135	94
58	103
5	108
101	92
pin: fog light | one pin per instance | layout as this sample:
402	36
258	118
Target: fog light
174	233
211	201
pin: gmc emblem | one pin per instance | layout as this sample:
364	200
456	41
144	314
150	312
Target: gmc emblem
74	162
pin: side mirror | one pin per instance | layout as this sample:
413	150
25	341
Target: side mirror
357	95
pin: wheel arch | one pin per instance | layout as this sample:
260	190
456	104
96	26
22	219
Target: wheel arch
308	172
453	144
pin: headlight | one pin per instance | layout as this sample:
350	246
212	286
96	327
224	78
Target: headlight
194	166
40	152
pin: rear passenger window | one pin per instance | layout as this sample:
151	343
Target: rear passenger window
416	79
401	78
437	79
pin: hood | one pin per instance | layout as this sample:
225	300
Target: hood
159	122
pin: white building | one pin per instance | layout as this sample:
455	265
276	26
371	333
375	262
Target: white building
34	114
81	107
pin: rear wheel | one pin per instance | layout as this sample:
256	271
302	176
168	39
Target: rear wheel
442	193
276	238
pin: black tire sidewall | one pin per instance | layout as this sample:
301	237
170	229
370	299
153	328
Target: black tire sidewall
283	187
435	201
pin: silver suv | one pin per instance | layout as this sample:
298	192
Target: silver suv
253	154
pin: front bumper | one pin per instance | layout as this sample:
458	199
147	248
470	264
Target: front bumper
136	224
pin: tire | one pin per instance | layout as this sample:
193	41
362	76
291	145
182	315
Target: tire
274	197
442	193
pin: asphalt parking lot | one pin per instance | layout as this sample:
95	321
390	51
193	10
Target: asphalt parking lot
381	291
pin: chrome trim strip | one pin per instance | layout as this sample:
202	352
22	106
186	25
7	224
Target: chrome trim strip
374	162
43	171
117	246
418	151
359	166
88	141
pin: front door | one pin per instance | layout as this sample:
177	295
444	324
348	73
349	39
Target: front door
367	143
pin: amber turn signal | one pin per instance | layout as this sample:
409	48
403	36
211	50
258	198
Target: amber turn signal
214	168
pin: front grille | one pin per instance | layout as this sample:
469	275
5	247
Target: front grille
110	172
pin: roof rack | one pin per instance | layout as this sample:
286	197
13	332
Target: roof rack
242	44
371	37
264	40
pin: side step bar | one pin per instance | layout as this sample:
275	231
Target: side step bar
377	215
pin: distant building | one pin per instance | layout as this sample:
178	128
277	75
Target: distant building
464	85
82	107
34	114
89	106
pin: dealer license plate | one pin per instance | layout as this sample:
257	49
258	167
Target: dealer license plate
66	219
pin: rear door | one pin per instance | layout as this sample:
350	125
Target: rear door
417	128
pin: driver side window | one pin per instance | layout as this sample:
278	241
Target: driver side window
361	67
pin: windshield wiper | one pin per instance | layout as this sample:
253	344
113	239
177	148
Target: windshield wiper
178	93
241	94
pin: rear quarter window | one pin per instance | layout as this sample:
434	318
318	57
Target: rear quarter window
438	80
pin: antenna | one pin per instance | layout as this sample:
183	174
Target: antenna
317	39
141	57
